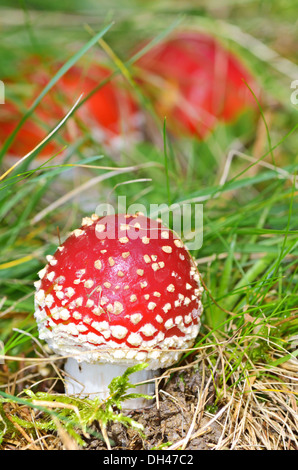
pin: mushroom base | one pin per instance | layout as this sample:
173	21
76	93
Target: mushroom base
92	380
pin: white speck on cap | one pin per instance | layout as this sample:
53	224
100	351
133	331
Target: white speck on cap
42	272
148	329
70	292
135	318
49	300
89	303
167	249
135	339
100	228
169	323
72	329
151	306
101	326
89	283
119	331
171	288
87	320
123	240
141	356
77	315
94	339
167	307
110	308
119	354
64	314
86	221
37	284
98	264
55	313
78	232
155	266
165	234
97	311
40	297
118	307
104	300
79	301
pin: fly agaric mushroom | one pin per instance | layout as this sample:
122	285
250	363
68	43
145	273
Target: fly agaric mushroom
194	81
121	290
110	114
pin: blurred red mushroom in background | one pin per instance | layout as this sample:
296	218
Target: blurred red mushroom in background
195	82
110	114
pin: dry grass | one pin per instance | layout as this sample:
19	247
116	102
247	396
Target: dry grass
206	402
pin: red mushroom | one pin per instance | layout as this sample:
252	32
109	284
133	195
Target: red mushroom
120	290
110	114
195	82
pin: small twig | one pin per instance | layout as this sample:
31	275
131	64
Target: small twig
191	427
67	441
105	435
22	431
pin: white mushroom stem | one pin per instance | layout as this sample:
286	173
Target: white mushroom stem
92	380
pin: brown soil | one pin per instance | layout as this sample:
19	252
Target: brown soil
168	421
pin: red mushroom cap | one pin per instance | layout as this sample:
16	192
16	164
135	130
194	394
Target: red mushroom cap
120	289
195	82
110	113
